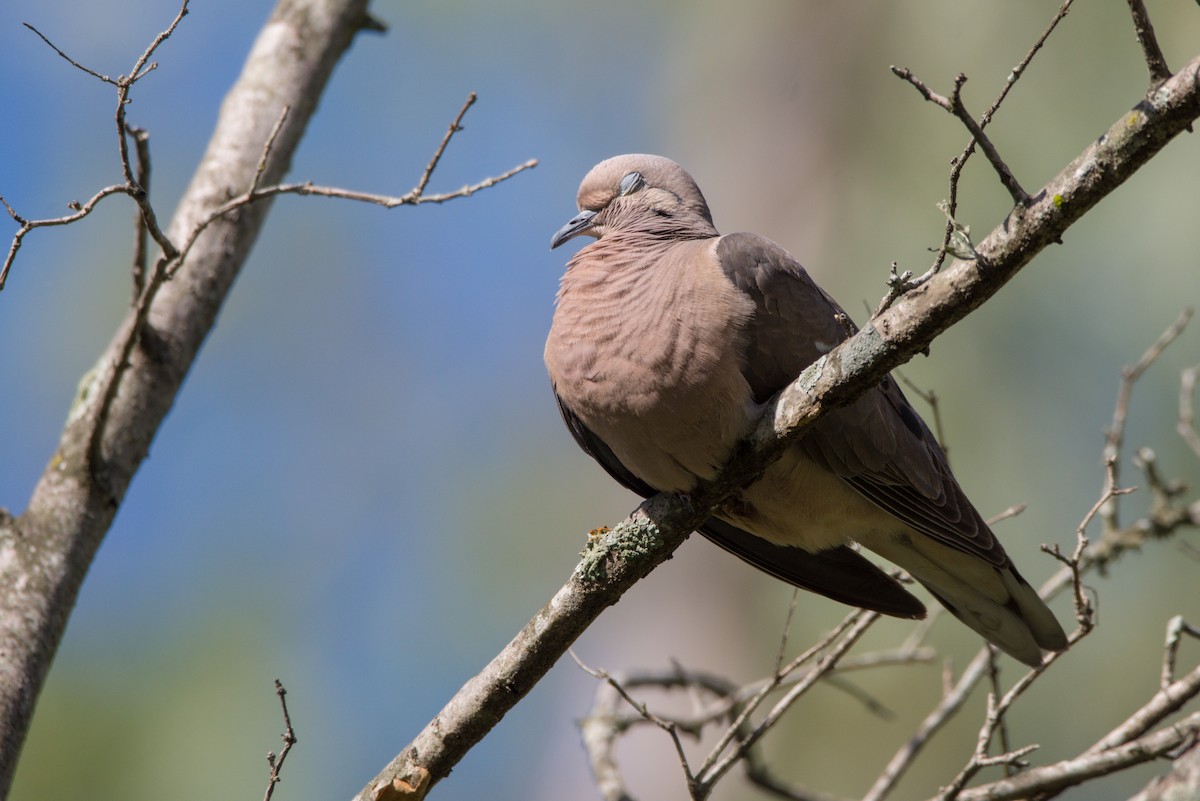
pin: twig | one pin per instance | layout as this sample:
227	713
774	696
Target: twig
787	627
1155	60
1070	772
1076	564
454	128
959	162
1187	415
289	739
1007	514
81	210
69	60
1001	726
603	724
714	769
954	104
268	146
952	701
125	83
899	284
141	141
308	188
1115	438
1166	702
1176	628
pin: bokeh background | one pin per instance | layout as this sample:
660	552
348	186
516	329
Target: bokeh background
364	488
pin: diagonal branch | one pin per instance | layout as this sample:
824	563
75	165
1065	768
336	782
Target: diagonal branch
613	562
45	552
1070	772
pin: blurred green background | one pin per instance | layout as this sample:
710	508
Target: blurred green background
364	488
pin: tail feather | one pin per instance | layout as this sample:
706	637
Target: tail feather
996	602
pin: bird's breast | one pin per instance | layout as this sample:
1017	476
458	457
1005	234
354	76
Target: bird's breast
647	354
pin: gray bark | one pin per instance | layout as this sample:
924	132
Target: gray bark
45	552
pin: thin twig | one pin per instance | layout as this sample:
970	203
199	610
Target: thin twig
139	67
952	701
70	60
267	147
954	104
308	188
1176	628
960	161
1155	60
712	771
141	142
1007	514
787	627
1187	414
1115	438
124	84
81	210
1001	727
275	761
454	128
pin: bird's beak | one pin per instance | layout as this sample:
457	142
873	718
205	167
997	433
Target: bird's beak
581	223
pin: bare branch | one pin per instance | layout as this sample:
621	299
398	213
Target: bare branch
954	104
141	141
950	704
1155	60
1176	628
1083	558
959	162
714	769
412	198
268	146
275	761
454	128
1187	415
1009	513
1130	376
81	210
70	60
124	84
140	67
48	548
1071	772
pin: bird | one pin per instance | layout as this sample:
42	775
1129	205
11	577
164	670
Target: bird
667	341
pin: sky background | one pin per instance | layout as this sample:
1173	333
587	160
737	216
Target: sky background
364	488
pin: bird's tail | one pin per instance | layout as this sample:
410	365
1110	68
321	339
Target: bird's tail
996	602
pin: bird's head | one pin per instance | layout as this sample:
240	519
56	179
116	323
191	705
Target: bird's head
638	193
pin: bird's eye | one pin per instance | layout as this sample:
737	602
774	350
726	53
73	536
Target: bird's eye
631	183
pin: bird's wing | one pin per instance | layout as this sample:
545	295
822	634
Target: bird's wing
838	573
879	445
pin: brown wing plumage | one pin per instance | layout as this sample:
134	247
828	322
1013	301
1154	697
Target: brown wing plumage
879	445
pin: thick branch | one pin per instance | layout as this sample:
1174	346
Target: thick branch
615	560
45	553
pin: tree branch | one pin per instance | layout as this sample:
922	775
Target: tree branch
1156	62
45	553
1070	772
615	560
